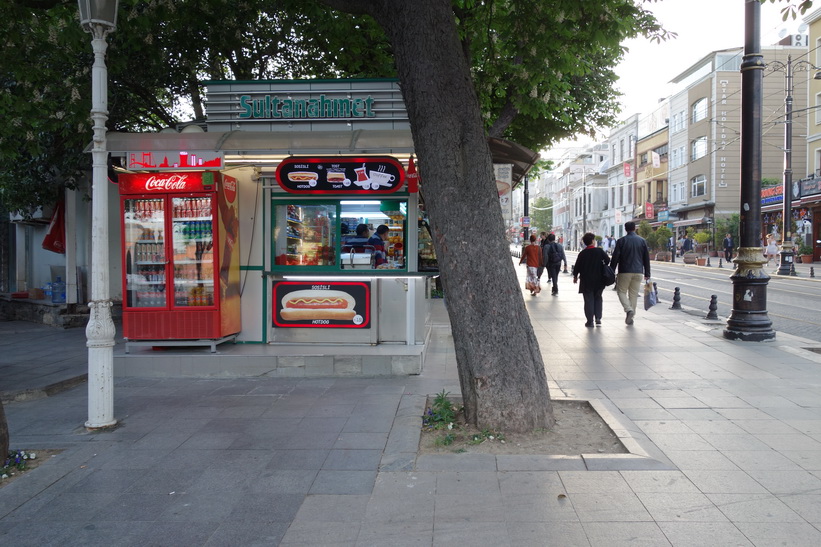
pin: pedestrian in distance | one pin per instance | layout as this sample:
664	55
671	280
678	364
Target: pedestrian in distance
532	256
686	244
728	248
588	269
542	243
631	261
552	257
771	250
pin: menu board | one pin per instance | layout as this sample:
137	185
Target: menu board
341	175
322	304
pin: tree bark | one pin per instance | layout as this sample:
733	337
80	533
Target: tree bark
501	372
4	434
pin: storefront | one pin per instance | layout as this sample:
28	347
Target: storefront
310	162
805	206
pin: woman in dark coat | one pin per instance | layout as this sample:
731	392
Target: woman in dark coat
588	268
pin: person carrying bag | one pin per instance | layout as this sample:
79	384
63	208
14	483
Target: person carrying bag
589	268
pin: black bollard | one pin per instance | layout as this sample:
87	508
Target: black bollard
656	290
708	261
812	271
713	308
676	299
719	263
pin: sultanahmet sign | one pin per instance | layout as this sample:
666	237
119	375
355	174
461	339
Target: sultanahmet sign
323	107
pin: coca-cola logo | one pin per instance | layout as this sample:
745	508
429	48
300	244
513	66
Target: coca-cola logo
229	186
170	182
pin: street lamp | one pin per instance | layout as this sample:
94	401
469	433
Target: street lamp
748	319
789	68
98	18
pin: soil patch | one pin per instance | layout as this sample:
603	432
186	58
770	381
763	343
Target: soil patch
579	430
42	456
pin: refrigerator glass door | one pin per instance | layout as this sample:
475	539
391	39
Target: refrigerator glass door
193	250
145	267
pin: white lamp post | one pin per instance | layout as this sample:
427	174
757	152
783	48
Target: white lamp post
99	17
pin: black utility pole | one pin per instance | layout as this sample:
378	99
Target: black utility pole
787	254
749	320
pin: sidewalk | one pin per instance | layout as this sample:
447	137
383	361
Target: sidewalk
725	441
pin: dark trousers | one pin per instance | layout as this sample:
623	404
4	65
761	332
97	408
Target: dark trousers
593	304
553	273
728	254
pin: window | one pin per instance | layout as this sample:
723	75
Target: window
818	110
698	148
698	186
677	192
699	110
643	159
818	51
661	150
678	122
312	234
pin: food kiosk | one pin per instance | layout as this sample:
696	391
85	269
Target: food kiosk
313	161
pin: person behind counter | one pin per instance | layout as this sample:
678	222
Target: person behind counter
379	243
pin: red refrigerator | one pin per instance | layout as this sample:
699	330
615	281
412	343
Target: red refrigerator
180	264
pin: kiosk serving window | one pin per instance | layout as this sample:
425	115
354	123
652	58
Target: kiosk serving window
340	236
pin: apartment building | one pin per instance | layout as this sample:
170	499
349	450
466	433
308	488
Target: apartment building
705	129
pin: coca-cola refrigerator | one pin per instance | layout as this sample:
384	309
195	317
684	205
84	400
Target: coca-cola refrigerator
180	264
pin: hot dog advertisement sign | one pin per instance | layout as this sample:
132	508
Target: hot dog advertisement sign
327	304
368	175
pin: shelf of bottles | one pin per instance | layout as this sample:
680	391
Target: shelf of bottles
145	258
193	251
304	235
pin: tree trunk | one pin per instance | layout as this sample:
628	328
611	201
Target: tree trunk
501	371
4	434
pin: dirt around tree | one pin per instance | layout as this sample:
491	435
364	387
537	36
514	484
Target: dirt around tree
578	430
42	457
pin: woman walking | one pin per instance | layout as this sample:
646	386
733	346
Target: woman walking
532	256
588	267
771	250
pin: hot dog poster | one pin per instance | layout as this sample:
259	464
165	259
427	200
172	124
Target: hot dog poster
342	175
336	304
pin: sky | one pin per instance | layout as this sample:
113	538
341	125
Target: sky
702	26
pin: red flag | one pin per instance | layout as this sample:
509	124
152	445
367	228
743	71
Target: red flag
413	177
55	239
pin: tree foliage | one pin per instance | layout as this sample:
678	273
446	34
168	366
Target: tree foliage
541	215
158	58
542	70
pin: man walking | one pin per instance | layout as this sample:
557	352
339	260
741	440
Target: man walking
553	256
728	248
631	260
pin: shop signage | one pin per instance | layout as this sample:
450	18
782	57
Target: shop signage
341	175
648	210
146	183
810	187
664	215
179	161
773	194
525	222
628	169
278	108
322	304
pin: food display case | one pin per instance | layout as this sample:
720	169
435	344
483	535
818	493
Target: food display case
304	234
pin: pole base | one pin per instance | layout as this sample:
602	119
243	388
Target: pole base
787	256
748	320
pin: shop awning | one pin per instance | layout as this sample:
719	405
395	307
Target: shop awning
688	222
285	143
